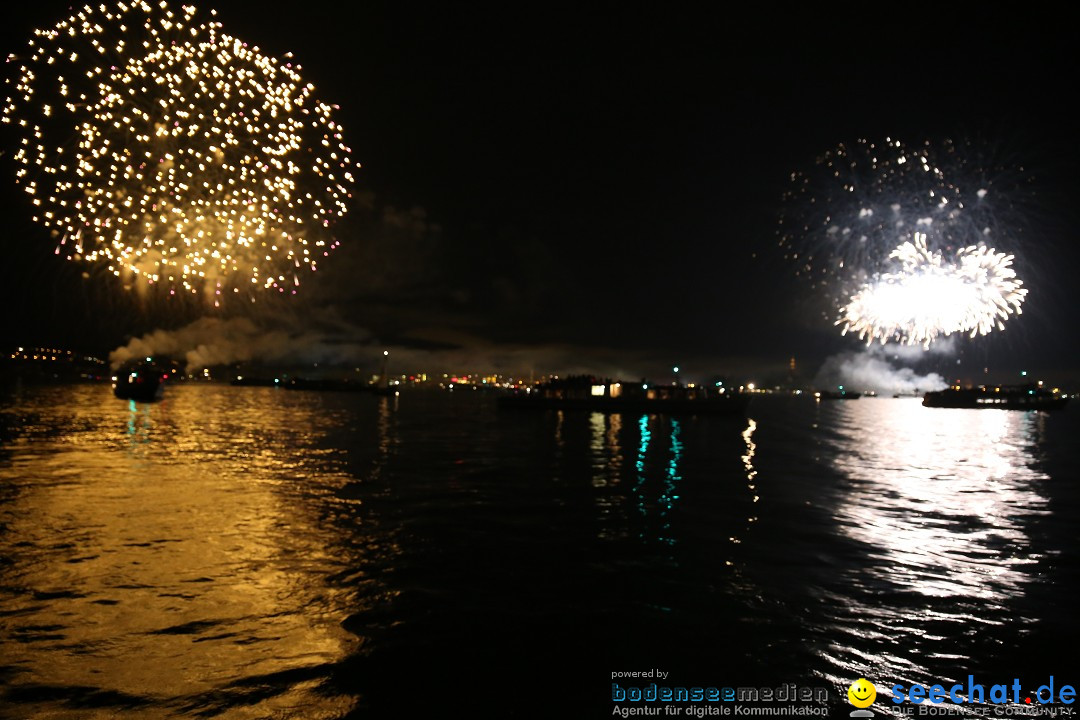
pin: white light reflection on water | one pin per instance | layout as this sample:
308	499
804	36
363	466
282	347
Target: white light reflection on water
939	499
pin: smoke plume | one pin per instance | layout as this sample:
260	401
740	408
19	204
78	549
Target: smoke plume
871	370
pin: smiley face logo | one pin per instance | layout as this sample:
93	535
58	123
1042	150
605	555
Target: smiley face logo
862	693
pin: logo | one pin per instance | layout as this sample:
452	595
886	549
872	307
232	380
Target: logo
861	694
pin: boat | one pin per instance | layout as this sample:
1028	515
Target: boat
1000	397
837	395
141	383
591	394
731	405
322	384
331	385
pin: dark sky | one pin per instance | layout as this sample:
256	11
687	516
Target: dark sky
607	180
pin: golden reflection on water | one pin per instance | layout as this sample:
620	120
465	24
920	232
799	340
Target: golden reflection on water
606	463
751	475
600	447
166	552
387	435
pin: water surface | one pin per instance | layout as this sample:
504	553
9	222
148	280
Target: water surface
253	552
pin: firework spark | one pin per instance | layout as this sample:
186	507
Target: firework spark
849	225
156	144
927	297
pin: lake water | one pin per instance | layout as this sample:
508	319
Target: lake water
255	553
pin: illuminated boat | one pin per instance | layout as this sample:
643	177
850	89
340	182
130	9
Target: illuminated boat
331	385
142	383
607	396
1000	397
837	395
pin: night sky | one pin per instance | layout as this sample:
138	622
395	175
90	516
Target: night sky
604	184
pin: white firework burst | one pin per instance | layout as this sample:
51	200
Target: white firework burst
929	296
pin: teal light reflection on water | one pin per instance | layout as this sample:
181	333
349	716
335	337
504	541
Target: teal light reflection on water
671	480
639	485
668	475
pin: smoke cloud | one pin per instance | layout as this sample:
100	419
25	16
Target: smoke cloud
286	343
871	370
215	341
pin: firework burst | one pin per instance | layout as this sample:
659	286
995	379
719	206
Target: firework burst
927	297
898	240
155	144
